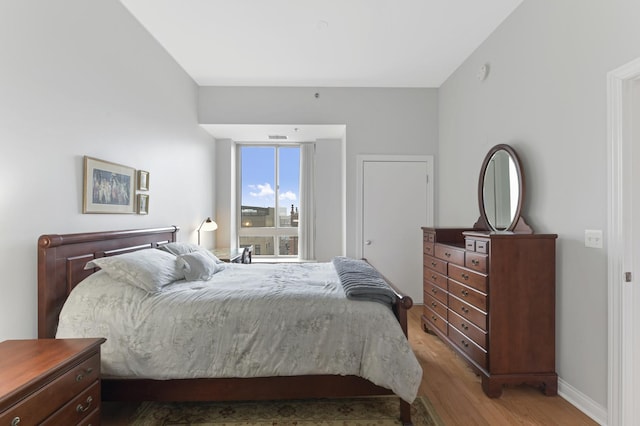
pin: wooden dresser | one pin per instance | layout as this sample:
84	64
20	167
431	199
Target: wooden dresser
50	382
491	297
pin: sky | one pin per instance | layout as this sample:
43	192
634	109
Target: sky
258	176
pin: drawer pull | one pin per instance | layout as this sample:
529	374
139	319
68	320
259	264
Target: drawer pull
433	304
434	318
433	277
15	421
433	264
465	310
447	254
434	290
475	262
81	409
464	276
464	326
465	293
464	343
81	375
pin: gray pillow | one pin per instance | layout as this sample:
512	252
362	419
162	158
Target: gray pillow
184	248
147	269
198	266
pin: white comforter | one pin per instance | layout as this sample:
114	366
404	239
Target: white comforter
256	320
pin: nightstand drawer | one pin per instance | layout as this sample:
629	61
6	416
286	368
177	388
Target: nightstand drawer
78	408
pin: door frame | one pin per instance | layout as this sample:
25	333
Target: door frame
361	159
619	145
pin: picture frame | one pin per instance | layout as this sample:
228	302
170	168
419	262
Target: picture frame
143	204
143	180
108	187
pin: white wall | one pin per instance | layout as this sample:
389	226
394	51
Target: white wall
84	78
378	121
546	96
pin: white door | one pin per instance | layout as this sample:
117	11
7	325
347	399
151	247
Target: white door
635	251
623	105
395	206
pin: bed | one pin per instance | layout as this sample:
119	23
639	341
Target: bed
61	267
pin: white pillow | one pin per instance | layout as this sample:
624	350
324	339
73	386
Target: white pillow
184	248
147	269
198	266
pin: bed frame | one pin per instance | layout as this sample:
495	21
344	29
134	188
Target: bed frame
61	260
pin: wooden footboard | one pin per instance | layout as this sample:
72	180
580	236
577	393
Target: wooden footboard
61	260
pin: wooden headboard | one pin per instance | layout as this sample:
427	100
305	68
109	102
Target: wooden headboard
61	260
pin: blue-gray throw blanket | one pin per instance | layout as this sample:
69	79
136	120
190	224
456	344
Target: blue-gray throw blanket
361	281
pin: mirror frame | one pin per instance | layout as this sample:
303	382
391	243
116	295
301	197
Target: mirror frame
518	224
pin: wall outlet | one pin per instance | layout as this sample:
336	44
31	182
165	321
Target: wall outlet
593	238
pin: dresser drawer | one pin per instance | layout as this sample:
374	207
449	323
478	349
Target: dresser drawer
435	264
468	294
437	292
429	237
476	261
428	249
469	278
78	408
475	352
467	328
470	244
436	278
450	254
435	305
468	311
482	246
45	401
435	320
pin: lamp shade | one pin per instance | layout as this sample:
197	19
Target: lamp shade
207	225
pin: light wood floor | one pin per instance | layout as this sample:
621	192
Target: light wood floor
456	393
454	390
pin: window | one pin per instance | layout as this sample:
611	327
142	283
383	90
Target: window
269	198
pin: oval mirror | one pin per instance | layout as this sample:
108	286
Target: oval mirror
501	191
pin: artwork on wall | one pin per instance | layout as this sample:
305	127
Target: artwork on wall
108	187
143	180
143	204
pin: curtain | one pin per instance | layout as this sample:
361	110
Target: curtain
307	220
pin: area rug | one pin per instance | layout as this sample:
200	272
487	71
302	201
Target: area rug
380	411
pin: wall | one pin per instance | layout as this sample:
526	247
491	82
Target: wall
378	121
84	78
546	96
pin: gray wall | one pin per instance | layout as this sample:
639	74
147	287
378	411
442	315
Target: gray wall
84	78
546	96
379	121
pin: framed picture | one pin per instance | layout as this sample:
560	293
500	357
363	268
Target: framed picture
108	187
143	180
143	204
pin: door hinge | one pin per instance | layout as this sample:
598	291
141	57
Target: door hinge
627	277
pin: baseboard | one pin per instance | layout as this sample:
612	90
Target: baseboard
582	402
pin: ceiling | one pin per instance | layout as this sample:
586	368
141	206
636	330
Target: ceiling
320	43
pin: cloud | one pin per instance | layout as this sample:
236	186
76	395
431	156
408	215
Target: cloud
262	190
288	196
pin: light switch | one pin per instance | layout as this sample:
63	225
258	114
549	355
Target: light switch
593	238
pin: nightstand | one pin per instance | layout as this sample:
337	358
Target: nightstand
233	255
50	382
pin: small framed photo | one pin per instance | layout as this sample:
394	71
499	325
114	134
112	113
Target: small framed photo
143	204
143	180
107	187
